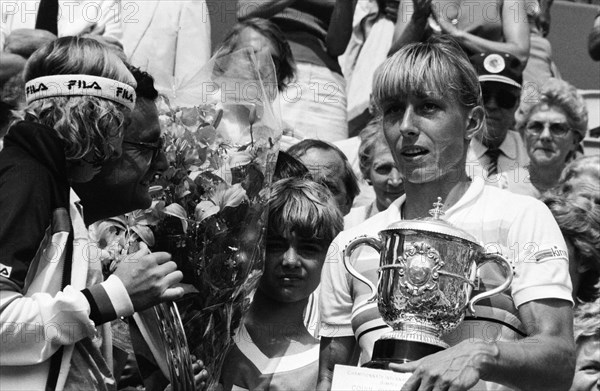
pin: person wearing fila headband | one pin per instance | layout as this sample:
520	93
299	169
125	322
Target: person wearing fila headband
55	308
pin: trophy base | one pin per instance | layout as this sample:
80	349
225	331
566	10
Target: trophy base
398	351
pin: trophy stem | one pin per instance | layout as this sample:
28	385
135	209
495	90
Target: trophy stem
388	351
412	341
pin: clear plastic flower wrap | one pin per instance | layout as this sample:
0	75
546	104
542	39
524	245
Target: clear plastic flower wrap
210	207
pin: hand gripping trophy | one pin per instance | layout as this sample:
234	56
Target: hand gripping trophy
427	272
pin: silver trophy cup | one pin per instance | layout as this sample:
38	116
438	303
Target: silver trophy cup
427	272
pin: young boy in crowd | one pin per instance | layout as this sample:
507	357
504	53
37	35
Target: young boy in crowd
274	349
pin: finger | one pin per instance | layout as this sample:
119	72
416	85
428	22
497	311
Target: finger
204	375
171	279
196	369
161	257
407	367
412	384
172	294
141	252
166	268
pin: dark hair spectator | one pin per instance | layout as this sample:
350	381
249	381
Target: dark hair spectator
145	83
318	32
282	56
288	166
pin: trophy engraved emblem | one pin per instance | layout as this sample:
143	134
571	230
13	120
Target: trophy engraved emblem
419	271
427	272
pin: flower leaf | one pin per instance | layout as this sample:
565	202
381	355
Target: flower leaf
145	234
178	211
205	209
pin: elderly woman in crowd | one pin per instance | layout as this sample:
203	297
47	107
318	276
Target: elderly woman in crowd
379	170
579	220
553	126
582	176
586	328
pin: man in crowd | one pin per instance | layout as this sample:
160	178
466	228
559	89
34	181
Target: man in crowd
329	166
497	148
55	309
431	103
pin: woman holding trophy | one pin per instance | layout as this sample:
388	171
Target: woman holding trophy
432	107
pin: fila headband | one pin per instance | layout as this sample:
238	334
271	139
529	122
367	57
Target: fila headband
80	85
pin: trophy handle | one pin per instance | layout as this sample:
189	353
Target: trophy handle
359	241
508	271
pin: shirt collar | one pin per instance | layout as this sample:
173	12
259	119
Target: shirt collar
475	188
508	147
74	197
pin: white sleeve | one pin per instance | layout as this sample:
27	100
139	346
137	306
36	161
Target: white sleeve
335	300
112	19
82	16
542	262
33	328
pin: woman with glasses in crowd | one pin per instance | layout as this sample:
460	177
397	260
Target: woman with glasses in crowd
552	126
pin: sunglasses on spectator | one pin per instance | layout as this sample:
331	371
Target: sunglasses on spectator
504	99
156	147
557	129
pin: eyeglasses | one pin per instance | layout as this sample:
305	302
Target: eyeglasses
504	99
557	129
156	147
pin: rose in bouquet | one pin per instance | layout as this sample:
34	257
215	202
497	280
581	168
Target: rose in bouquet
221	139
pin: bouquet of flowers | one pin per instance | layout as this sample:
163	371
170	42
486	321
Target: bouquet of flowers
210	206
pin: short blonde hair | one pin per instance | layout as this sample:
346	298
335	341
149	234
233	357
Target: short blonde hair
305	207
437	66
85	124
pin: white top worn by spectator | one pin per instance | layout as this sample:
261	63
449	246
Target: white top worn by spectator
170	39
75	17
